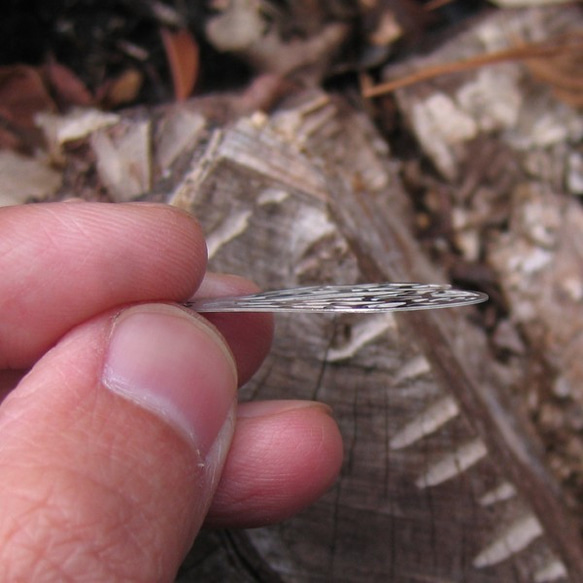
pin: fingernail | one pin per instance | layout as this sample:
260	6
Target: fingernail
169	362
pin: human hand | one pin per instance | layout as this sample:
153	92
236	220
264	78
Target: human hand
118	444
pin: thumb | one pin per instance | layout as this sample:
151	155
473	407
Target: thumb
112	446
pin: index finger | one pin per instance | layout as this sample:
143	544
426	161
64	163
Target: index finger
62	263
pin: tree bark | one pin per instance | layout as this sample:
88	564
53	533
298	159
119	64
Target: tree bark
442	478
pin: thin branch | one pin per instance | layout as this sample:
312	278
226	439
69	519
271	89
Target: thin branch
521	53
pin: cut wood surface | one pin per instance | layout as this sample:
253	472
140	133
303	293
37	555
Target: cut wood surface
441	479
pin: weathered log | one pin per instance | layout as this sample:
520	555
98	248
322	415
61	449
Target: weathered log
441	478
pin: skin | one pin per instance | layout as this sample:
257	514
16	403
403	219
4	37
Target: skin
98	479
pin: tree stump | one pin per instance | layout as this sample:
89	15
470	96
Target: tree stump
442	478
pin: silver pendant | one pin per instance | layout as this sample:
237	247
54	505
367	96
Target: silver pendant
359	298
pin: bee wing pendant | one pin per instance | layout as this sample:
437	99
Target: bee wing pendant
361	298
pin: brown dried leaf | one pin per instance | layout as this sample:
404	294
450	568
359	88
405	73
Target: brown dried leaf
66	86
22	95
183	57
120	90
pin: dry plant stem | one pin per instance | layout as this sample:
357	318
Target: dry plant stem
523	53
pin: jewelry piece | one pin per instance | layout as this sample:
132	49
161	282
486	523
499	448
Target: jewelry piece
360	298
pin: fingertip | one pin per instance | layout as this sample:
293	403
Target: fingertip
249	335
224	284
171	362
63	263
284	456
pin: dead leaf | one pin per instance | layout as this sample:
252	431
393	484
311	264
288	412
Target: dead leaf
66	86
183	57
22	95
120	90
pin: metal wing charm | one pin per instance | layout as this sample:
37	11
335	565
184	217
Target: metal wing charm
361	298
